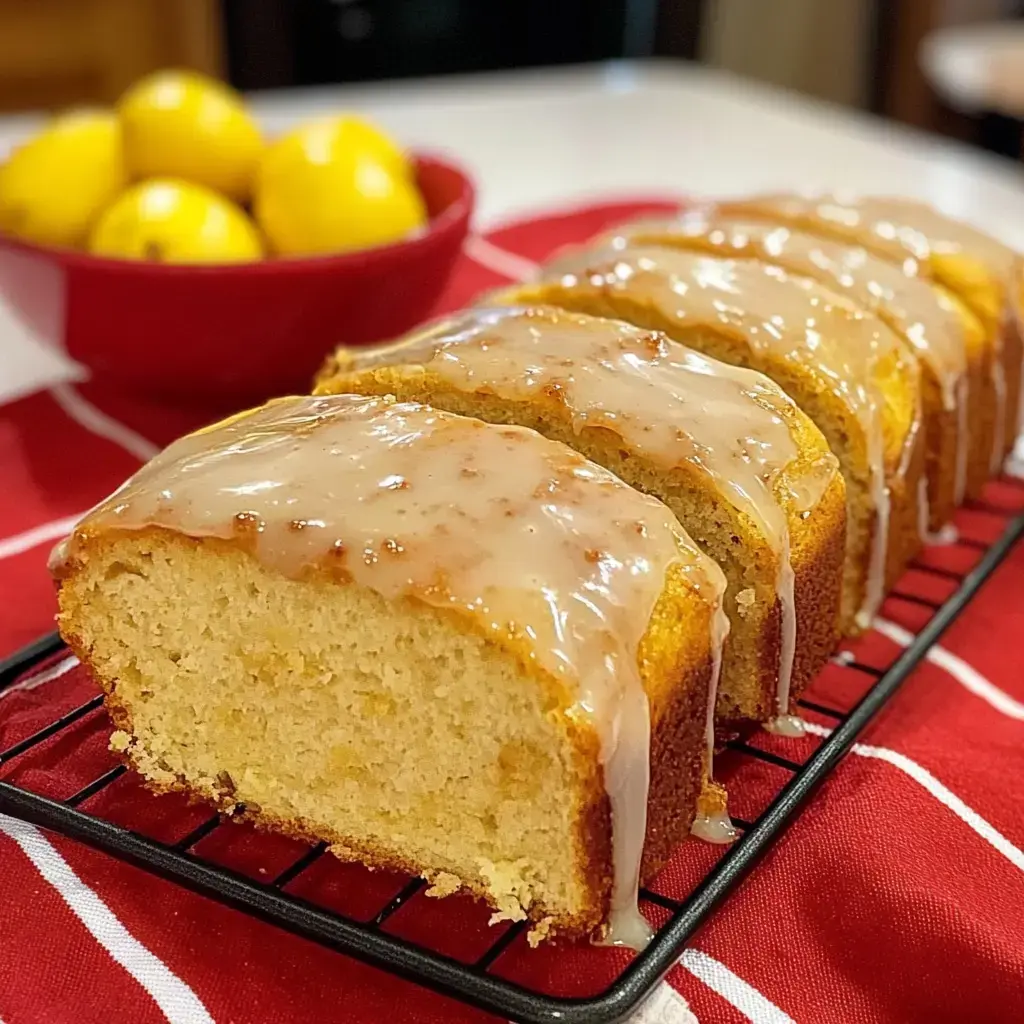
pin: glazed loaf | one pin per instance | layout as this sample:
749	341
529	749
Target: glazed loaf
976	270
842	366
953	358
444	647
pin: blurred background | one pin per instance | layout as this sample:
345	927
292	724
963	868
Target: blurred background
915	61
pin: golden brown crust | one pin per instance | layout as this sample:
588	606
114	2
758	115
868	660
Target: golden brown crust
905	539
818	557
941	443
981	418
677	748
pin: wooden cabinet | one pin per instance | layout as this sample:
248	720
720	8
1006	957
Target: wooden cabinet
55	53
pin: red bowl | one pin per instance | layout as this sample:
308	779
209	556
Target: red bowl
223	335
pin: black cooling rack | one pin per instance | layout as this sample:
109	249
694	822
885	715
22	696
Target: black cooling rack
477	982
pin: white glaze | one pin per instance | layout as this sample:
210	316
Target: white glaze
916	237
715	828
910	305
790	726
792	316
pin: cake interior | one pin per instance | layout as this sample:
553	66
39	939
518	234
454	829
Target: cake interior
383	727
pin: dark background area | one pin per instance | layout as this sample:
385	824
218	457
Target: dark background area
860	53
303	42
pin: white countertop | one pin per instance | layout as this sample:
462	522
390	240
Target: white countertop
535	139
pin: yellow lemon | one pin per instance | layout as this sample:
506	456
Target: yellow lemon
179	124
317	191
169	221
52	187
346	131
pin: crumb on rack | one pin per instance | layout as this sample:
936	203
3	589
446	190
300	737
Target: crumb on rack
120	741
444	883
540	931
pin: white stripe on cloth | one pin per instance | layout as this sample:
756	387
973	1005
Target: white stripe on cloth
734	990
501	261
945	796
964	674
62	667
22	542
664	1006
98	422
178	1003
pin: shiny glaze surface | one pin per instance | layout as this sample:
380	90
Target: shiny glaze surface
792	317
920	240
922	314
904	229
545	552
911	305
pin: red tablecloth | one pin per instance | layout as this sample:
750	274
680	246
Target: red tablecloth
897	896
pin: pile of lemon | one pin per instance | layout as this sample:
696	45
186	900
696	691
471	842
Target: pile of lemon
179	173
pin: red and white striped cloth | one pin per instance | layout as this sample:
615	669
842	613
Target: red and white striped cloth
896	897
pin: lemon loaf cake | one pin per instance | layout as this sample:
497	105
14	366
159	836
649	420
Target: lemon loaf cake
445	647
975	268
841	365
749	476
929	323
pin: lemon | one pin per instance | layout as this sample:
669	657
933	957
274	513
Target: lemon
348	132
52	187
318	190
171	221
179	124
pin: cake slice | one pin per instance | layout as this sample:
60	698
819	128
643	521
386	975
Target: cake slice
749	476
977	269
951	358
841	365
443	647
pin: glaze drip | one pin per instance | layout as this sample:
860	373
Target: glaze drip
715	828
791	726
